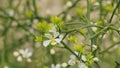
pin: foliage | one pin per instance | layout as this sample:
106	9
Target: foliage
76	34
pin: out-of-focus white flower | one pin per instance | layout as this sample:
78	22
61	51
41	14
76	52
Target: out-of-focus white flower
15	53
68	4
95	59
19	59
94	29
83	58
96	4
72	60
23	54
115	39
81	65
52	51
69	17
64	65
35	21
29	60
26	53
94	47
10	12
5	66
52	38
31	30
55	66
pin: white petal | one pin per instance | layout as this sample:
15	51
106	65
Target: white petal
56	34
52	66
15	53
81	65
46	43
71	62
29	54
53	29
58	66
64	65
29	60
72	57
58	40
48	36
83	58
19	59
21	51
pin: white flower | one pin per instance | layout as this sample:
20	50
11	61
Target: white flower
69	4
29	60
83	58
94	47
72	60
52	51
19	59
95	59
26	53
23	54
10	12
53	40
64	65
81	65
15	53
55	66
5	66
94	29
96	4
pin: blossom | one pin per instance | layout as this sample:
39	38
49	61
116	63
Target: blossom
81	65
94	47
64	64
5	66
23	54
55	66
95	59
52	51
68	4
52	38
72	60
83	57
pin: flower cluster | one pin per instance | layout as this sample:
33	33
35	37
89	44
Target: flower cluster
50	32
63	65
23	54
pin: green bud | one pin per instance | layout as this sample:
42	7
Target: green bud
43	26
38	38
28	14
79	48
55	20
73	39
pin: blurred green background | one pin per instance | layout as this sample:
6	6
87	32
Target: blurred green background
17	30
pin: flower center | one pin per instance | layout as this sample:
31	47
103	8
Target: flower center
53	40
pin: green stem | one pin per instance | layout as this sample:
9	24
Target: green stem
114	11
70	50
35	8
111	46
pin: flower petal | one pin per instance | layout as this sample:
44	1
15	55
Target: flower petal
48	36
83	58
58	40
46	43
21	51
56	34
53	29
